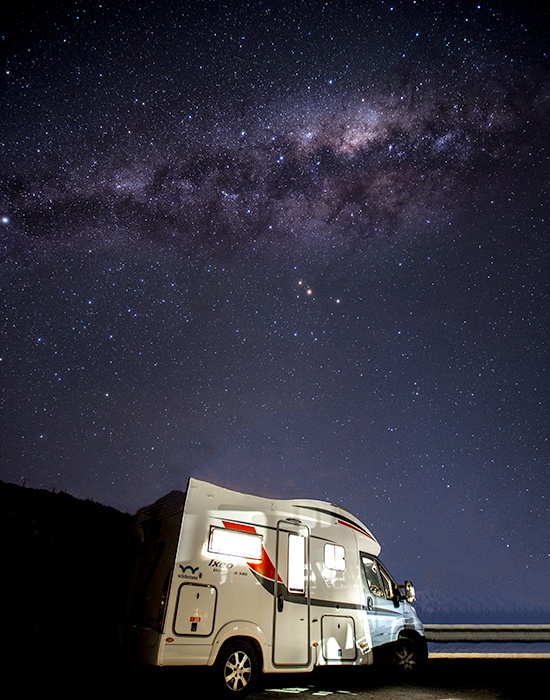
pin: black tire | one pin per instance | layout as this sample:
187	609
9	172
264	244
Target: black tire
407	657
236	669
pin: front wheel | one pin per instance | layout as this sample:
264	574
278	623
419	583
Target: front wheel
407	656
236	669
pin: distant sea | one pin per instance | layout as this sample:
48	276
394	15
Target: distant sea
443	608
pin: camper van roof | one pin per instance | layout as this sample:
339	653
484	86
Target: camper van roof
171	503
174	501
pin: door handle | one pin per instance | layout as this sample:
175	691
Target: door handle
280	602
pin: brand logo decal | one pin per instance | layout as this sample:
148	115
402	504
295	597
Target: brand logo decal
220	565
189	572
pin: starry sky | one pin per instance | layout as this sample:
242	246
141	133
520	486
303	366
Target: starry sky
299	249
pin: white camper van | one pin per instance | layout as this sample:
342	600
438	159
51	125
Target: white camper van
248	585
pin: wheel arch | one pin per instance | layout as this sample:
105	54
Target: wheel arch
416	637
245	638
235	631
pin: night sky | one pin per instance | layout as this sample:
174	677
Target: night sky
298	249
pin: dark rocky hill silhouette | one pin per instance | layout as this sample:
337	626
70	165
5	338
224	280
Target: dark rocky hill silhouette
66	564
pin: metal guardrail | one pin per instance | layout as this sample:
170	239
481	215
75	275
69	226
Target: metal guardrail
487	633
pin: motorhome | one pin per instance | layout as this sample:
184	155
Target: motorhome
251	585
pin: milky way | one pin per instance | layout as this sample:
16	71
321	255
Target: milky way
349	171
299	249
353	155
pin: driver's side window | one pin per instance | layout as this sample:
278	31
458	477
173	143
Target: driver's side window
372	575
387	583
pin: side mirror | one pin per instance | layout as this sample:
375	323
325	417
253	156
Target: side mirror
410	595
405	592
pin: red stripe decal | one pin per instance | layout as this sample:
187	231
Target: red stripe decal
352	527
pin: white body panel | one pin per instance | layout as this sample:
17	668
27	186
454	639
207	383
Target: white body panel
293	582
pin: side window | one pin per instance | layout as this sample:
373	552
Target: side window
335	557
374	580
235	543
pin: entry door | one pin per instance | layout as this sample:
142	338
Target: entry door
291	601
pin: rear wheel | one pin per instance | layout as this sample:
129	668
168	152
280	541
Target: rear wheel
236	669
